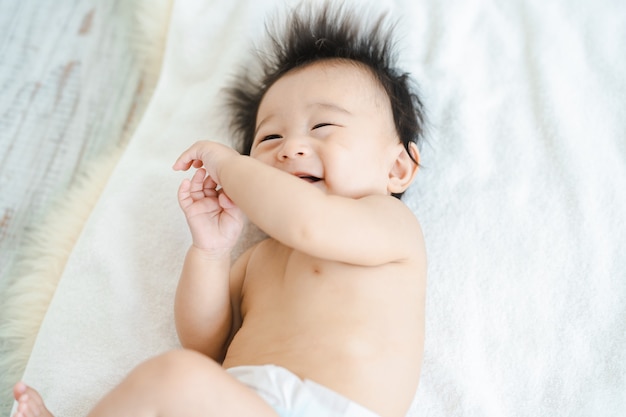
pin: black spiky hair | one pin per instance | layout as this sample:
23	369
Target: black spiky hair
329	32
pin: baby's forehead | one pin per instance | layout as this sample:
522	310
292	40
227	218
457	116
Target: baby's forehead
324	70
353	68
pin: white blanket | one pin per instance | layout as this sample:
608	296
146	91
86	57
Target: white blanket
522	200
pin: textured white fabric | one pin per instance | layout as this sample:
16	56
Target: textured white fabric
291	396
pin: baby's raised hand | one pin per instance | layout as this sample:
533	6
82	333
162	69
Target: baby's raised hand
211	155
214	220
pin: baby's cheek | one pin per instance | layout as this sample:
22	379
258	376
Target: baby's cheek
262	157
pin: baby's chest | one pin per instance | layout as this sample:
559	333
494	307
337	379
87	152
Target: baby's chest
278	274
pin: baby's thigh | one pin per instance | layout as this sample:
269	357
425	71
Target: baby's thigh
185	382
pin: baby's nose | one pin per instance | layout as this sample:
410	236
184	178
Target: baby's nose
294	148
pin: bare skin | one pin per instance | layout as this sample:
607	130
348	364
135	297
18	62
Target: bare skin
335	295
29	402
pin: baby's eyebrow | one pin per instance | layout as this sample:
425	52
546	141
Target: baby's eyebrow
329	106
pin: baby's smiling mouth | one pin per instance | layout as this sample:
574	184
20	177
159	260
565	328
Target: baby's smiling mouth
308	178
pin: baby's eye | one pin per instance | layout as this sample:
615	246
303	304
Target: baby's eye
317	126
270	137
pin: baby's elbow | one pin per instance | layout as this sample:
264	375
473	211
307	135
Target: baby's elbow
308	237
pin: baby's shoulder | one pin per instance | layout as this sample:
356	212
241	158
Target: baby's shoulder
395	215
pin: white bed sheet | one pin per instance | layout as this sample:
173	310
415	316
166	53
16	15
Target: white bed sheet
522	200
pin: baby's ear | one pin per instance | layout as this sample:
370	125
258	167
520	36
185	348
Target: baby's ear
404	169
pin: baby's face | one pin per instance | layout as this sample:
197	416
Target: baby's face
329	123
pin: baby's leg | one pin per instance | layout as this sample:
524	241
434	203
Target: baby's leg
181	383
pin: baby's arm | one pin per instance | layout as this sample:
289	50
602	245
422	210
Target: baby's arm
202	307
372	230
203	310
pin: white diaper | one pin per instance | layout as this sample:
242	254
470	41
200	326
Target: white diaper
291	396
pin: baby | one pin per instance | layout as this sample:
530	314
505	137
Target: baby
325	317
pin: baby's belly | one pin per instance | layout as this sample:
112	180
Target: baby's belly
363	363
310	324
313	341
355	330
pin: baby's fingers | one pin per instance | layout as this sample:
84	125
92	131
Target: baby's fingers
184	197
181	165
209	184
225	201
198	188
191	157
185	161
